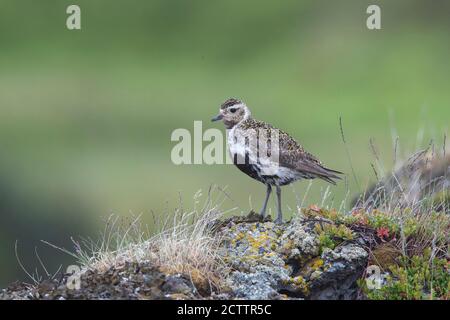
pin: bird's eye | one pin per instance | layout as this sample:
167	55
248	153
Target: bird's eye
233	110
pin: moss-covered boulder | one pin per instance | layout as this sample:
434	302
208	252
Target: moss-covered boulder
270	261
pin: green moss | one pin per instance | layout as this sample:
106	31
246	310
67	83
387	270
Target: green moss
314	212
417	278
378	219
414	225
330	235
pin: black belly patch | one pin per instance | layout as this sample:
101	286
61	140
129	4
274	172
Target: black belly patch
251	170
254	171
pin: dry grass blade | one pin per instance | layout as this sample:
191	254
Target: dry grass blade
184	243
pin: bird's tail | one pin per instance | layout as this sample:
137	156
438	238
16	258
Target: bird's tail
329	175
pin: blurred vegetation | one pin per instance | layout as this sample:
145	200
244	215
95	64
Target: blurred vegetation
86	116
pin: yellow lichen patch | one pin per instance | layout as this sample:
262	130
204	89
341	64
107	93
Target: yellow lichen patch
299	283
317	264
239	236
261	241
314	265
257	242
269	254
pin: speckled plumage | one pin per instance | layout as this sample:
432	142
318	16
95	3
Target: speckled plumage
293	162
292	155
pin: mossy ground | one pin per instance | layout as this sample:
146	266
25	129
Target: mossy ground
412	251
319	254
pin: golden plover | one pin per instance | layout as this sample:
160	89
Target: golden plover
288	163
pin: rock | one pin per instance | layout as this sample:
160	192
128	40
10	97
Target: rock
342	267
265	261
131	281
272	261
177	284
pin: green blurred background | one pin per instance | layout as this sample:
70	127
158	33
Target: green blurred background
86	116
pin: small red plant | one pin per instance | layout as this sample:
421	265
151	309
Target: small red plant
383	233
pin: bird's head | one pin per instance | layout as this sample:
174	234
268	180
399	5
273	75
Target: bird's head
231	112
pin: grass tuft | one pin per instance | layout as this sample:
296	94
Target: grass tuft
185	243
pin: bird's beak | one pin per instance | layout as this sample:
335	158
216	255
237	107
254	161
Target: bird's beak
217	118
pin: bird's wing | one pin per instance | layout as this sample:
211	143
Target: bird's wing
291	154
294	156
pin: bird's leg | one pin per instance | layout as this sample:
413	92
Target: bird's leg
279	218
263	210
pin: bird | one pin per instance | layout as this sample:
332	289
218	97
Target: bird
291	162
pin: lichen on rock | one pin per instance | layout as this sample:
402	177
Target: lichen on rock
264	260
270	261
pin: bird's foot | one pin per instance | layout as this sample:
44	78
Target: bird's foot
278	220
253	217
